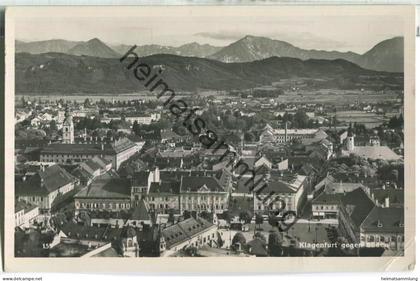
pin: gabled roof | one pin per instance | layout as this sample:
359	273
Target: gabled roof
276	187
343	187
140	178
25	206
141	212
357	205
194	184
384	220
171	187
184	230
224	177
326	198
45	182
396	196
81	173
101	161
376	152
107	186
90	166
73	230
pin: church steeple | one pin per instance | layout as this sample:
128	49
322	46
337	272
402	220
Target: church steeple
350	138
68	127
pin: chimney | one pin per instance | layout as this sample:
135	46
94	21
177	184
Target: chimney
102	146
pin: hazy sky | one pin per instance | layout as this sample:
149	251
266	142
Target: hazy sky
357	34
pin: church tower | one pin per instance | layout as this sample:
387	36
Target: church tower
350	139
68	128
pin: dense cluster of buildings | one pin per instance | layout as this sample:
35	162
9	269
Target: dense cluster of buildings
173	197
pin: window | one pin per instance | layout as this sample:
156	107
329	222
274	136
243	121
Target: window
371	238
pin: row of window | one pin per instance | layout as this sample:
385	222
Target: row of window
203	198
105	205
274	206
152	198
202	207
325	208
160	206
381	238
201	242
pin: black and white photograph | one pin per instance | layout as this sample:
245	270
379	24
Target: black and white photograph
203	132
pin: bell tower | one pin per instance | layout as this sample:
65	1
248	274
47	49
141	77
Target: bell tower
68	128
350	139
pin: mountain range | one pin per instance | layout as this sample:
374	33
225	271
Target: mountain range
187	50
387	55
58	73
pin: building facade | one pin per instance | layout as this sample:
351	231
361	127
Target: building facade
202	193
45	187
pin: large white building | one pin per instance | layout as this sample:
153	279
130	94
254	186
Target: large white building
202	193
73	153
285	135
373	151
25	214
280	195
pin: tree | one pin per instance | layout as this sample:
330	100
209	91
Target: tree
53	125
186	214
220	241
275	244
272	220
227	217
191	251
260	236
85	218
245	216
87	102
206	215
259	220
171	217
238	240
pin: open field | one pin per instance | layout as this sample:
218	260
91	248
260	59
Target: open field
335	97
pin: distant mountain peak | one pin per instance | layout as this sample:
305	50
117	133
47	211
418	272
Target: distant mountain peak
94	48
387	55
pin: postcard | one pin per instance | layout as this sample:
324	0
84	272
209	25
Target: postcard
208	139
